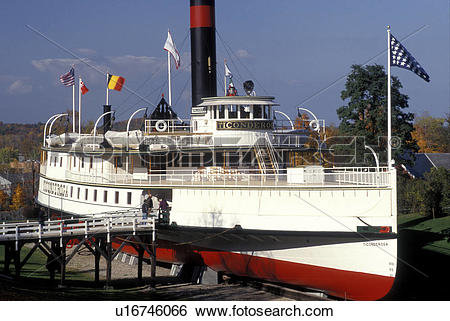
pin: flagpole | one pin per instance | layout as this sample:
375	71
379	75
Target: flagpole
389	116
107	91
79	107
170	84
225	77
73	108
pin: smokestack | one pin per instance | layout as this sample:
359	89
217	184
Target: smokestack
106	119
203	50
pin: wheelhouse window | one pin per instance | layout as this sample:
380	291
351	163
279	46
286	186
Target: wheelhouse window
221	110
71	191
129	198
60	162
105	196
74	161
116	198
232	112
82	162
91	162
78	193
86	193
257	111
95	195
244	112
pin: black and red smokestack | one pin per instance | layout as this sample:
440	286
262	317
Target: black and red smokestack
203	50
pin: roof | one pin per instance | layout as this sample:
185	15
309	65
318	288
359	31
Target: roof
238	100
426	161
4	181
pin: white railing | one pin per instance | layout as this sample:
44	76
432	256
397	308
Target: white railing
125	223
219	176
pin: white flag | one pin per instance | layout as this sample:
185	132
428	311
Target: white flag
228	72
170	47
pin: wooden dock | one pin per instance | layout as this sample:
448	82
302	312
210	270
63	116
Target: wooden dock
94	233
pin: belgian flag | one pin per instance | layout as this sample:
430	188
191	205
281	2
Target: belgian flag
115	82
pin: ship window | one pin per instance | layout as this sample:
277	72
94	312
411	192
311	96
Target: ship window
60	162
266	112
221	111
56	159
245	112
232	112
105	196
95	195
207	159
129	198
220	158
196	160
247	158
71	191
118	161
78	193
86	193
117	198
233	159
184	160
91	163
74	161
82	162
257	111
171	159
195	126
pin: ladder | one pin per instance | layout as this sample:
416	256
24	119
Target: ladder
265	155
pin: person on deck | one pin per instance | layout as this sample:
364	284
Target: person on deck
147	205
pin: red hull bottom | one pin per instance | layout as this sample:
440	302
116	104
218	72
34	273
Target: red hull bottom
340	283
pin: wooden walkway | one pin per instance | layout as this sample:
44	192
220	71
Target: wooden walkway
94	233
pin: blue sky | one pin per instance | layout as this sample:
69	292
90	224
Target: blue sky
291	49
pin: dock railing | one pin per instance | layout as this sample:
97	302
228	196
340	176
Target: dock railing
100	223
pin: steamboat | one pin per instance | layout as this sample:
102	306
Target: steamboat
249	194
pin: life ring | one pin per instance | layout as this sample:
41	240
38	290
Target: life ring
314	125
161	125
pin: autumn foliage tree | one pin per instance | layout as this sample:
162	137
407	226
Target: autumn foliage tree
4	200
432	134
18	199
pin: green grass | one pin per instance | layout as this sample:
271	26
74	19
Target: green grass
406	218
439	227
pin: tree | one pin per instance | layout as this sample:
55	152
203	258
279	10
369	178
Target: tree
365	115
4	200
432	134
437	192
18	199
8	154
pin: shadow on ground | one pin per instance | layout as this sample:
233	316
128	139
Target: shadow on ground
421	274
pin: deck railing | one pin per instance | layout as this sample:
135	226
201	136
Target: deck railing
219	176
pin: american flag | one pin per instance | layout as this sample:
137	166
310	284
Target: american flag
400	57
68	79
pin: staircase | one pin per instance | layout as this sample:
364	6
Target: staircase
265	155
